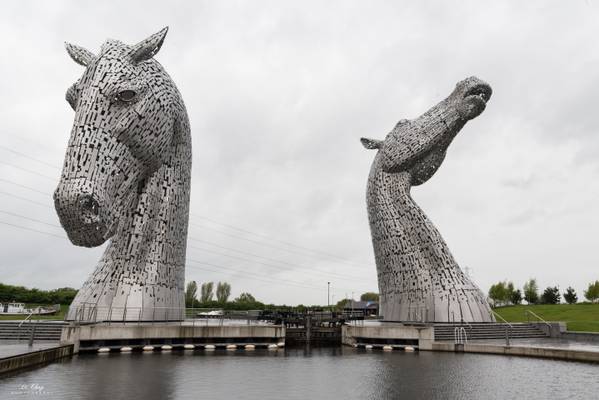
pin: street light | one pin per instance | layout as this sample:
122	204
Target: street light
329	294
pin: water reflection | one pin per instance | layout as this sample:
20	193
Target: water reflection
305	373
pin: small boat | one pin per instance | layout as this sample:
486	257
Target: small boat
210	314
19	309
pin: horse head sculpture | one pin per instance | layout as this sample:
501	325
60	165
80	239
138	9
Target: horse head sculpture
126	178
419	280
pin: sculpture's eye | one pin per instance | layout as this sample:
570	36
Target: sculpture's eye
126	95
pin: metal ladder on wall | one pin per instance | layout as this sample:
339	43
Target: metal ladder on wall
459	335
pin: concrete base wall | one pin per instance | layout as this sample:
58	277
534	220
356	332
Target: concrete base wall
581	336
74	334
26	360
424	335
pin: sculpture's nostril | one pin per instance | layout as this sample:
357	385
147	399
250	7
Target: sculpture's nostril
89	204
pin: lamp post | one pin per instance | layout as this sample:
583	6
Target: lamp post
329	294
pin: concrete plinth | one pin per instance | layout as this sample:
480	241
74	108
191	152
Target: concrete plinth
87	337
383	333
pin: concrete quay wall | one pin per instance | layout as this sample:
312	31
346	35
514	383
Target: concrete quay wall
33	358
540	352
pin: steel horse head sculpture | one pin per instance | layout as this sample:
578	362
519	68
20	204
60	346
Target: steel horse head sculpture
419	280
126	178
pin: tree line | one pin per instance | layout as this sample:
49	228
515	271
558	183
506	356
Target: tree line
504	293
209	298
21	294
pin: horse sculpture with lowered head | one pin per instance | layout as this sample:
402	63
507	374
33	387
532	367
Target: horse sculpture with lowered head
126	178
419	280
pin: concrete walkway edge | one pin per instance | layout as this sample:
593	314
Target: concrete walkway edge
541	352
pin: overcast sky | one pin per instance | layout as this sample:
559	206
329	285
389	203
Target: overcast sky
279	94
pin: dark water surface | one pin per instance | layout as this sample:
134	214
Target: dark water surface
318	373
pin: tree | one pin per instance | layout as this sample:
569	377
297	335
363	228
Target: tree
516	297
570	296
223	291
245	298
551	295
509	287
592	293
190	293
9	293
531	290
500	293
341	304
369	296
207	292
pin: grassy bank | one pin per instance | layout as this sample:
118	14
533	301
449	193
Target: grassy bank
579	317
58	316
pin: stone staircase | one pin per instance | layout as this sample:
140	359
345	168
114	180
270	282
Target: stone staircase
44	330
487	331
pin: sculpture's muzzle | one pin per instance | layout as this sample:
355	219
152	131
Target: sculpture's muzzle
81	213
472	95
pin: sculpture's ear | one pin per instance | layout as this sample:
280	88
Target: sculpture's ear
371	143
148	48
80	55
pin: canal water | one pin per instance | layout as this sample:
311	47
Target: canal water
318	373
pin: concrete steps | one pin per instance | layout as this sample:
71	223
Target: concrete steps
44	330
484	331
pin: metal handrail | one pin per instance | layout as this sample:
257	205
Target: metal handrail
507	331
528	312
501	318
92	313
21	324
29	316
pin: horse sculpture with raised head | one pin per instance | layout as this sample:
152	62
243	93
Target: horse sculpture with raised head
126	178
419	280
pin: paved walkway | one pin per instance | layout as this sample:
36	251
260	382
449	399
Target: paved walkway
13	348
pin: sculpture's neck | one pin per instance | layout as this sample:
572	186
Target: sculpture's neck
152	239
388	185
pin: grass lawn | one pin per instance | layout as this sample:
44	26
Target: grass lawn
579	317
58	316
